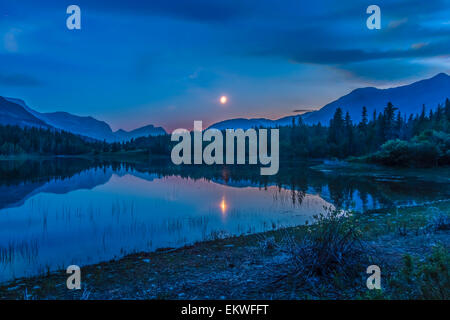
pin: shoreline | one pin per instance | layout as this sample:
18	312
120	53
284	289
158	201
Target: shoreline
240	267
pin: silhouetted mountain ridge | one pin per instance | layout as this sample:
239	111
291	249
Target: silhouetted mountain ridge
409	99
16	112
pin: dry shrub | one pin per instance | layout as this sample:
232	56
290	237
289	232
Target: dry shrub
331	249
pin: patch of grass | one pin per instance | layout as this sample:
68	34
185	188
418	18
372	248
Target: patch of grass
439	221
427	279
403	221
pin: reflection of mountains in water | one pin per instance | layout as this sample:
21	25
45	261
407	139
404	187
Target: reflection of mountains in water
15	196
20	181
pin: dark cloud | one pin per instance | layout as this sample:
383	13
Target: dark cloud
386	70
344	56
191	10
323	45
18	80
413	8
195	10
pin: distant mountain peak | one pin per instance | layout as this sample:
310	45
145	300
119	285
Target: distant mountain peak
441	75
407	98
12	113
86	126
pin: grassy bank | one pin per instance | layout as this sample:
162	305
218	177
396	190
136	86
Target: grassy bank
327	260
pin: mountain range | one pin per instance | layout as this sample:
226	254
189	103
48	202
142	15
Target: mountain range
409	99
16	112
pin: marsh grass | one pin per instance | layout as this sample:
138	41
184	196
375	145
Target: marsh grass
27	250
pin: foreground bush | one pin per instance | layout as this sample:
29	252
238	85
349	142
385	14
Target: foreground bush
331	250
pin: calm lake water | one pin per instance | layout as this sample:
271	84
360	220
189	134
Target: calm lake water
76	211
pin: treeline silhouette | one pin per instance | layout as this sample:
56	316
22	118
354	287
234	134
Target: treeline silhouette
15	140
36	171
388	137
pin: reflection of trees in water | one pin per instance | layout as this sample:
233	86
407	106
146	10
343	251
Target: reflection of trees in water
285	196
343	190
340	189
22	171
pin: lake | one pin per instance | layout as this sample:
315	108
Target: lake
54	213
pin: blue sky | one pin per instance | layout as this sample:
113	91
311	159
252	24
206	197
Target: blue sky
168	62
